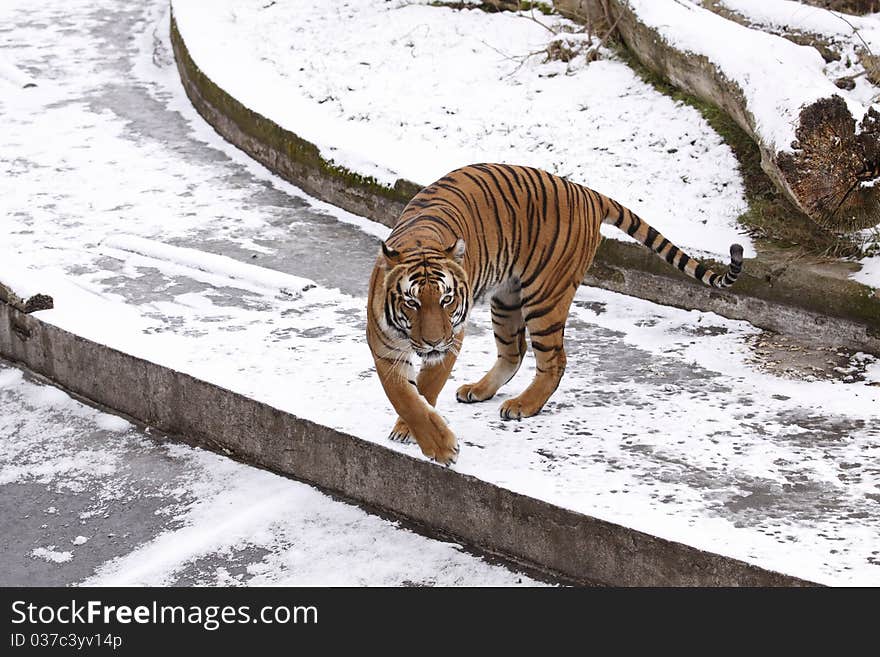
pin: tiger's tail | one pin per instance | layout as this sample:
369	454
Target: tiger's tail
637	228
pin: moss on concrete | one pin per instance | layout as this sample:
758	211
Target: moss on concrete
494	6
790	285
284	141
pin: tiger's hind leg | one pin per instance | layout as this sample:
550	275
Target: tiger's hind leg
510	339
545	321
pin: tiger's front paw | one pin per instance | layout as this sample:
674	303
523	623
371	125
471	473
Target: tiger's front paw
401	433
437	441
518	408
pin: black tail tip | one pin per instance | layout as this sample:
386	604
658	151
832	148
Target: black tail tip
736	254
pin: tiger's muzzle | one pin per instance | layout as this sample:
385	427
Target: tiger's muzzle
431	353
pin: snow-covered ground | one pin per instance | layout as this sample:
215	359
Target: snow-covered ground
663	422
847	35
401	89
98	502
777	77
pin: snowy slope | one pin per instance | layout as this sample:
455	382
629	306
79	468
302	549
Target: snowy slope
399	89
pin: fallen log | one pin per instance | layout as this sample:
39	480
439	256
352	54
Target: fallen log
820	147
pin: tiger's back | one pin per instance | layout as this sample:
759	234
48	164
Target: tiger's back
518	222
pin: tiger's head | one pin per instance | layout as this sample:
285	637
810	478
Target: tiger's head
427	297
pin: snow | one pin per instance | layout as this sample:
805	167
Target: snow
790	15
663	422
213	513
777	76
869	274
672	460
847	35
465	88
21	279
221	268
312	540
844	33
52	555
12	76
113	423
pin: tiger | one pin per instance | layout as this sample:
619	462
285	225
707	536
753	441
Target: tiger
520	235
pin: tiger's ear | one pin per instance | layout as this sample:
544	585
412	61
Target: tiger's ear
391	256
456	251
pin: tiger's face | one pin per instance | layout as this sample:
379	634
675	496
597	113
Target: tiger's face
426	298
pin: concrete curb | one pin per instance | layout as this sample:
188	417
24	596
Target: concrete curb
782	297
551	539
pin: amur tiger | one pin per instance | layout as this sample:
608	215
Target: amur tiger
522	235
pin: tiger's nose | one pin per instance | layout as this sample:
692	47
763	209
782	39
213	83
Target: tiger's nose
433	343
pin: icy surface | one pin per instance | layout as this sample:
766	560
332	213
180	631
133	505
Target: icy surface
214	521
665	420
399	89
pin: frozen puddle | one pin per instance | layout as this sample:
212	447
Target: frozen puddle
88	498
662	422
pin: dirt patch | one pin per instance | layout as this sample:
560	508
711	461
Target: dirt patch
786	356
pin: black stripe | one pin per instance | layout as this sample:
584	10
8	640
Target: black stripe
537	346
634	226
500	305
512	171
537	314
506	343
540	175
553	328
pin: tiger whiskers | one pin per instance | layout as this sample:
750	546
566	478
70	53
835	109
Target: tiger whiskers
400	359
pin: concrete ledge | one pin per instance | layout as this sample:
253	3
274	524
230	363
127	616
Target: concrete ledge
787	298
554	540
